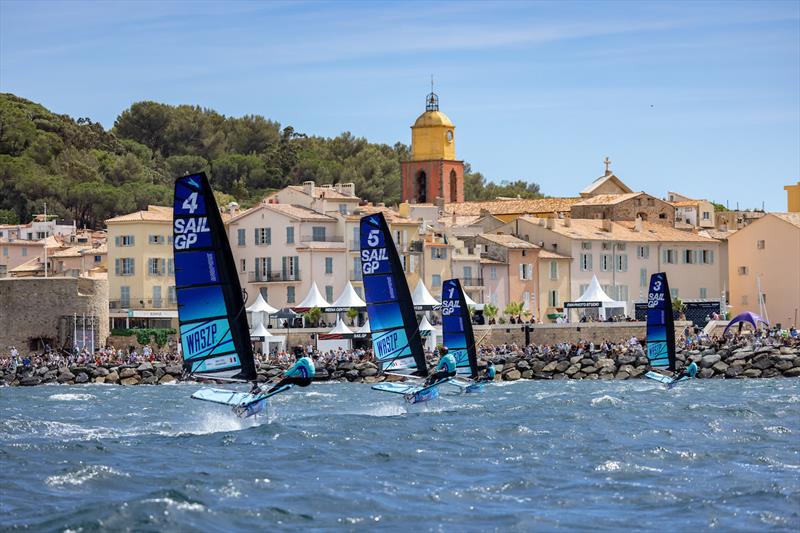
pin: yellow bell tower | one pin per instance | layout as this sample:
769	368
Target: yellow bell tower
433	171
433	135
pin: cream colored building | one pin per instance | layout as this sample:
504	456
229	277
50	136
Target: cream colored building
279	249
767	252
554	286
623	255
141	279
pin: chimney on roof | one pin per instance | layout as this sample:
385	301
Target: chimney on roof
308	188
542	222
567	222
348	189
440	203
550	223
637	226
606	224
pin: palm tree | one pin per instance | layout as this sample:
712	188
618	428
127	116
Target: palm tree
513	309
490	311
313	315
352	313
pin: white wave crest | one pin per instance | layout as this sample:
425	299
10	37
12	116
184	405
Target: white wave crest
608	466
606	400
83	475
71	397
179	506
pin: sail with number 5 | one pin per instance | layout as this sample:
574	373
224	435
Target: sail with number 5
213	326
457	328
395	333
660	324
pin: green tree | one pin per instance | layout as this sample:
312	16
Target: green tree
352	313
490	311
8	216
313	315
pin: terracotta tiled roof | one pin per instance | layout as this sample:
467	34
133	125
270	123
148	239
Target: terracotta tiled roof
608	199
592	229
547	254
718	234
601	180
791	218
686	203
391	216
508	241
518	206
154	213
324	192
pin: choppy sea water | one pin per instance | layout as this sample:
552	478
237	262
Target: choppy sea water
561	455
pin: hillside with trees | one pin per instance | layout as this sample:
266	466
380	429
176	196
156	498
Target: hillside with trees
88	174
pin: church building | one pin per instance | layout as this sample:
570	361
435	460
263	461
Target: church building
433	171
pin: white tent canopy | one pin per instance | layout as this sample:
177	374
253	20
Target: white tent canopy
339	337
349	298
313	299
429	333
595	293
472	303
422	297
260	332
261	306
364	329
340	328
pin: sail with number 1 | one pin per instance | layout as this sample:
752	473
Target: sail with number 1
457	328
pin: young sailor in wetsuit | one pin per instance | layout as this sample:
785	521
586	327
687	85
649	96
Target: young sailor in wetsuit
689	371
301	373
489	373
445	369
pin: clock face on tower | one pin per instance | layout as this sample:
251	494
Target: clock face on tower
449	136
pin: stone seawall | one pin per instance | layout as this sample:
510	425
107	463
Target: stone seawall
725	364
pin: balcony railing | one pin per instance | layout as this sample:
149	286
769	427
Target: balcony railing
415	246
472	282
267	277
148	303
321	238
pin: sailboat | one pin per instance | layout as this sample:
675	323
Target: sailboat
660	329
396	340
458	335
215	337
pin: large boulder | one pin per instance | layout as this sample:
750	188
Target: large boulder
369	371
527	374
572	369
762	363
626	360
512	375
578	375
720	367
589	370
30	380
160	372
351	375
792	372
112	377
100	371
149	380
706	373
550	367
771	373
82	377
622	375
145	366
562	366
166	378
710	360
575	359
525	365
346	365
175	370
130	381
126	373
734	371
752	373
100	379
66	376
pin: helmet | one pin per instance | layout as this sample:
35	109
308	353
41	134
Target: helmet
444	350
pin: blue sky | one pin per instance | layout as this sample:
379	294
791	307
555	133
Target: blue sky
700	98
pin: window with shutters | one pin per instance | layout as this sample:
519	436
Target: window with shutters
643	277
156	239
552	298
670	256
156	296
436	280
171	299
622	263
673	292
243	265
707	257
743	270
329	265
605	262
468	273
290	295
241	237
156	266
171	266
643	252
438	252
263	236
329	293
125	296
553	269
688	257
760	244
126	240
586	246
125	266
703	293
318	233
525	271
24	252
289	234
622	293
264	293
586	262
493	272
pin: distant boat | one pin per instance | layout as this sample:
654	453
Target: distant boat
215	337
396	339
660	329
458	335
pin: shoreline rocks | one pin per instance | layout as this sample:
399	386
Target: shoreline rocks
742	363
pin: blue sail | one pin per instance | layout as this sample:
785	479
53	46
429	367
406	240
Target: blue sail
395	332
660	324
213	326
457	328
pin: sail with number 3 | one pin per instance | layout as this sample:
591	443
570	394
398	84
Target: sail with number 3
396	340
660	324
213	326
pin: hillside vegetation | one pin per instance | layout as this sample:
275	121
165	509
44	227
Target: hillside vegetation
88	174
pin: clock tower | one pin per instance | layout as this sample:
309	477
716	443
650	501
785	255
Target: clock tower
433	171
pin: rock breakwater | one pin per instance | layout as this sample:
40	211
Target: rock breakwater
765	362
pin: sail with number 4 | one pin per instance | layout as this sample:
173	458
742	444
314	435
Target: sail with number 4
395	333
214	334
457	328
660	324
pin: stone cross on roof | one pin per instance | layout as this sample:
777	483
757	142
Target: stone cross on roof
607	163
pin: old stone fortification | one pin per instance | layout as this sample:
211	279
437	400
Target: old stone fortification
42	308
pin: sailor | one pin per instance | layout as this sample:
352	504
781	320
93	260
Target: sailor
690	371
445	369
489	373
300	373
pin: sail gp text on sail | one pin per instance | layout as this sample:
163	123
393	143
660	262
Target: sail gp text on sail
371	259
187	229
